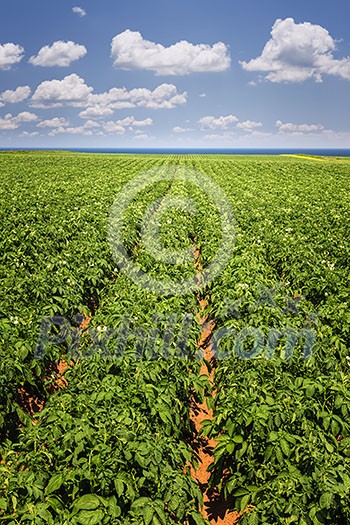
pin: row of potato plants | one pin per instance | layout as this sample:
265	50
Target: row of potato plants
282	421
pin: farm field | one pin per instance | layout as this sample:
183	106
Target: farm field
102	370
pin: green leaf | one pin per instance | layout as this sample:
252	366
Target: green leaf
161	514
253	518
54	483
197	518
230	447
119	487
240	492
45	514
329	447
87	502
285	447
148	512
326	500
335	428
140	503
113	509
90	517
54	503
244	502
230	427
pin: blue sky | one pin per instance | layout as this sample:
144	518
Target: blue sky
182	74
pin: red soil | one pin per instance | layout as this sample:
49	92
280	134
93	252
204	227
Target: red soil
215	508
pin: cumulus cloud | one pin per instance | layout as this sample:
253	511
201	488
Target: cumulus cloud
179	129
164	96
96	111
259	134
10	54
79	11
29	133
25	116
130	50
113	127
249	125
131	121
119	127
13	96
53	123
289	127
60	54
78	130
10	122
297	52
85	129
72	91
210	122
91	127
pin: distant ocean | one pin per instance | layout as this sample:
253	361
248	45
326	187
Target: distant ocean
190	151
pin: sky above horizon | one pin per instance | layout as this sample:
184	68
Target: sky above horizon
184	74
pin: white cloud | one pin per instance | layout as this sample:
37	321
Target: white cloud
113	127
211	122
13	96
203	95
25	116
249	125
92	124
85	129
53	123
10	122
297	52
29	133
164	96
10	54
119	127
91	127
289	127
72	90
96	112
79	11
179	129
131	51
77	130
131	121
60	54
259	134
338	135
